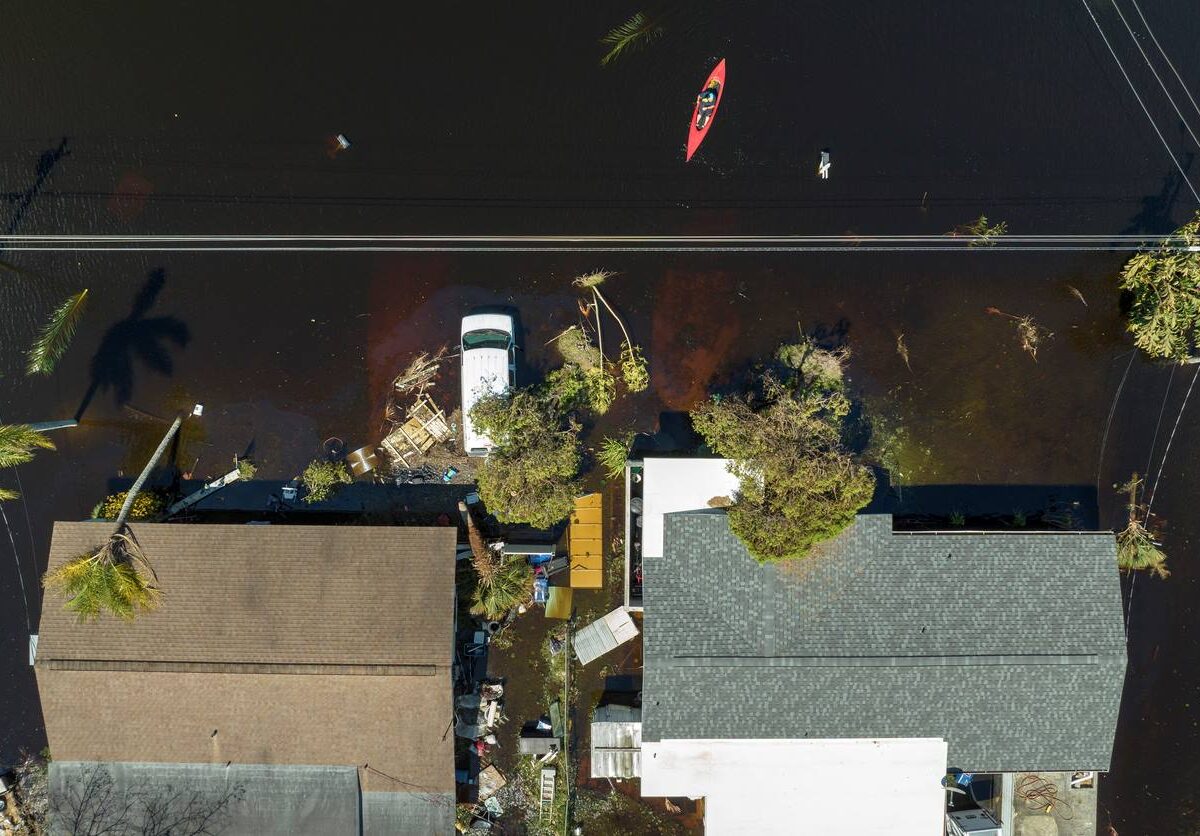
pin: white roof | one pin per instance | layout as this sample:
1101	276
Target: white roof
603	634
806	787
679	484
478	322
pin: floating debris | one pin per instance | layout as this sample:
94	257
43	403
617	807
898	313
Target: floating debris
1029	332
1077	294
902	350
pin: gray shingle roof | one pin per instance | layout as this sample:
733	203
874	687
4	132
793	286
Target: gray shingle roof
1009	646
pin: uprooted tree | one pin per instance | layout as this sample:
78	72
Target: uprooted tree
531	475
1164	296
799	483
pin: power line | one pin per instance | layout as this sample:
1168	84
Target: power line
1163	463
584	243
1137	96
1158	78
1166	58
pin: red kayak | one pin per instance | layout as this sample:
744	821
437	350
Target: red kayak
706	108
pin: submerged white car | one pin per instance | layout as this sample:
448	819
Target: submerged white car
488	366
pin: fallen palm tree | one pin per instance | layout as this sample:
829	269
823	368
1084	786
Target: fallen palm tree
1137	548
634	370
115	576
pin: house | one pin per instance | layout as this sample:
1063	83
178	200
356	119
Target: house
307	667
829	694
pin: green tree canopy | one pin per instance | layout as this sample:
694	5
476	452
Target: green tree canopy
1164	286
531	475
799	484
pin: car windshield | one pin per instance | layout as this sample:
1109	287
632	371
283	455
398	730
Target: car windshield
485	338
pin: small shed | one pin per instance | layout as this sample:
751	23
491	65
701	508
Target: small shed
602	635
617	741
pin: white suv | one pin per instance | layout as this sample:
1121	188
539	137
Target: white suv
488	366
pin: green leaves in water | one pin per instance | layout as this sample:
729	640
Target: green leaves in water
636	32
55	337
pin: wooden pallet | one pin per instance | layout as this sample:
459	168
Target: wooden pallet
426	426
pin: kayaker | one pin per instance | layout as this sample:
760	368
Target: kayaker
707	102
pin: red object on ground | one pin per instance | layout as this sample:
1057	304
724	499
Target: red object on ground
696	135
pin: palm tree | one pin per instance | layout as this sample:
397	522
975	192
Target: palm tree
1136	546
55	337
636	32
507	583
17	443
115	576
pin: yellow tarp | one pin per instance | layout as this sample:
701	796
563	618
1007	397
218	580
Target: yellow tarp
558	603
586	542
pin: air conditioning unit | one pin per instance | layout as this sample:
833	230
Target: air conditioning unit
971	823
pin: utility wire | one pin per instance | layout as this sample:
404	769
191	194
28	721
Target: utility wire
1166	58
1137	96
586	243
1158	78
1163	463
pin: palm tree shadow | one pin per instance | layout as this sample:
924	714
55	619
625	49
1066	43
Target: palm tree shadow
137	335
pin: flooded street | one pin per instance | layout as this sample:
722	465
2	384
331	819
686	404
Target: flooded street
148	119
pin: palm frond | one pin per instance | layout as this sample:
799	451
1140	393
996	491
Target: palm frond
17	443
638	31
55	337
7	495
612	455
509	585
114	578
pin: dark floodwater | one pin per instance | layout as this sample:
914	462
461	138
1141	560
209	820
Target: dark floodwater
495	118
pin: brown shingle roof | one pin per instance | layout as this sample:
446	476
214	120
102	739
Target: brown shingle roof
296	644
340	595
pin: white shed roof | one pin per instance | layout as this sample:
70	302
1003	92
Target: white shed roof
806	787
603	634
679	484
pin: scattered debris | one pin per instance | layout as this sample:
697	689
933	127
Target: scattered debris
981	232
1029	332
902	350
1077	294
425	425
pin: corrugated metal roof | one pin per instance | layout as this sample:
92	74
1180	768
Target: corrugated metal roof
1010	646
603	634
242	798
616	742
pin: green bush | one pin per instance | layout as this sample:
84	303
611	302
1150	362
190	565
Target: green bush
322	478
146	505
